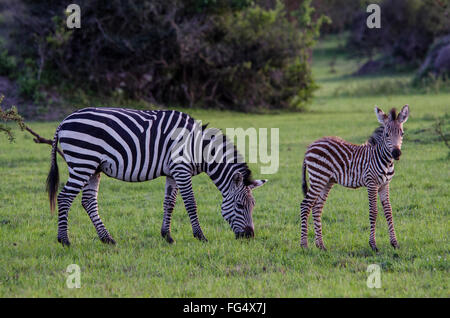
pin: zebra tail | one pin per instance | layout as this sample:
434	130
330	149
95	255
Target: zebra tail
53	175
304	184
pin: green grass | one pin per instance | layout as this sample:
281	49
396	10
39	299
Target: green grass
142	264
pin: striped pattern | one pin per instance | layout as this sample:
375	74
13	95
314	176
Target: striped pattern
332	160
134	146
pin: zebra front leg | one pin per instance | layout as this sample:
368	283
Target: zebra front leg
169	203
65	199
184	183
90	204
384	198
305	208
372	191
317	215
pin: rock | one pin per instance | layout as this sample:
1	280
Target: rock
437	61
442	62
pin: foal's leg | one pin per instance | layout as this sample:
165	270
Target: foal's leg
169	203
90	204
384	198
305	208
317	214
372	191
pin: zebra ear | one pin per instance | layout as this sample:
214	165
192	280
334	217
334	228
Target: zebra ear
403	115
237	178
382	117
257	183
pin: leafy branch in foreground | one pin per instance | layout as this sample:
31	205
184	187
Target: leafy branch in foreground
11	114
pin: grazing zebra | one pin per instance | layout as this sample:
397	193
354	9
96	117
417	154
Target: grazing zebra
133	145
333	160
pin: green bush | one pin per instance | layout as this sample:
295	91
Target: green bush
7	63
233	54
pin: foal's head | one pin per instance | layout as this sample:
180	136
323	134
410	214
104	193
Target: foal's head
393	129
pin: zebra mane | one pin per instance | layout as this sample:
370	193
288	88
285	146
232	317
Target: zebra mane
246	174
376	135
240	163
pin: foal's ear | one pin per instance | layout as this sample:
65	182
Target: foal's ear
382	117
257	183
403	115
237	179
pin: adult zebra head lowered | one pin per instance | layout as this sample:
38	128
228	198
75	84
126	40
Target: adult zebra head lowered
135	146
237	206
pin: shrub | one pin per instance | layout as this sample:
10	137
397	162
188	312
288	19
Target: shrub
229	54
7	63
340	12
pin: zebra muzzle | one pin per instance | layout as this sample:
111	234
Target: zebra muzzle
247	233
396	153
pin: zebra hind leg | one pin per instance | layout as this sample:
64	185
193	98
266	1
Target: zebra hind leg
169	204
305	208
65	199
90	204
317	215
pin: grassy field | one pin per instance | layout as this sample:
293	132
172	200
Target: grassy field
142	264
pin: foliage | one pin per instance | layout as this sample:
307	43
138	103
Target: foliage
230	54
340	12
408	27
7	63
10	114
441	128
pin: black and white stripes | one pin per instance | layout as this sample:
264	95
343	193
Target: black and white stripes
332	160
132	145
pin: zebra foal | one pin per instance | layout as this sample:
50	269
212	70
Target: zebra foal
135	146
332	160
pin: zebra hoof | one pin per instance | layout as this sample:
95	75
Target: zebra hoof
321	246
395	245
200	237
167	237
64	241
374	248
108	240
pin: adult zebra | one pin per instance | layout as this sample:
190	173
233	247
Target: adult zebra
133	145
332	160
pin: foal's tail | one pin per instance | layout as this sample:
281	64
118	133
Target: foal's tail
53	175
304	184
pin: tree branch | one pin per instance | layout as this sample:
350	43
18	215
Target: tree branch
41	140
